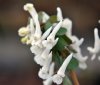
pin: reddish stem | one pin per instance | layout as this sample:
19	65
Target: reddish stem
74	77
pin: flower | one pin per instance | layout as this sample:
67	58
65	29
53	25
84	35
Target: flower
38	32
23	31
45	17
78	55
43	37
51	72
67	23
44	71
50	44
30	8
96	48
48	81
39	60
36	49
51	37
58	78
59	14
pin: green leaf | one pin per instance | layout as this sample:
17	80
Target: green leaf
57	59
61	31
50	22
66	81
60	44
53	19
73	64
69	41
47	25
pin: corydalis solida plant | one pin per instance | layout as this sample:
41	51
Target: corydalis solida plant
55	49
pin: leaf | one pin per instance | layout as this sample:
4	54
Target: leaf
57	58
66	81
61	31
60	44
73	64
50	22
47	25
53	19
69	41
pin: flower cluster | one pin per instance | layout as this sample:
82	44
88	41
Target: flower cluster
54	47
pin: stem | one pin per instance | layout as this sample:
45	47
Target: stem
74	77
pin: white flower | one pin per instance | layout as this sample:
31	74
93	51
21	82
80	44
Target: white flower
98	21
38	31
48	81
78	55
50	44
51	72
44	36
31	26
58	78
63	67
45	53
45	17
23	31
30	8
67	23
59	14
51	37
96	48
81	59
36	49
44	71
39	60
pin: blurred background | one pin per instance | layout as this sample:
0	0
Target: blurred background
16	60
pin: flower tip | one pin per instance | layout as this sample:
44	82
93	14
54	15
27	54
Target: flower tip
99	21
28	6
43	74
23	31
96	30
58	9
57	79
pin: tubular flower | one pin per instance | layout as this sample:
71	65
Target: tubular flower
43	32
51	37
58	78
67	23
44	71
48	81
78	55
59	14
51	72
96	48
45	17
